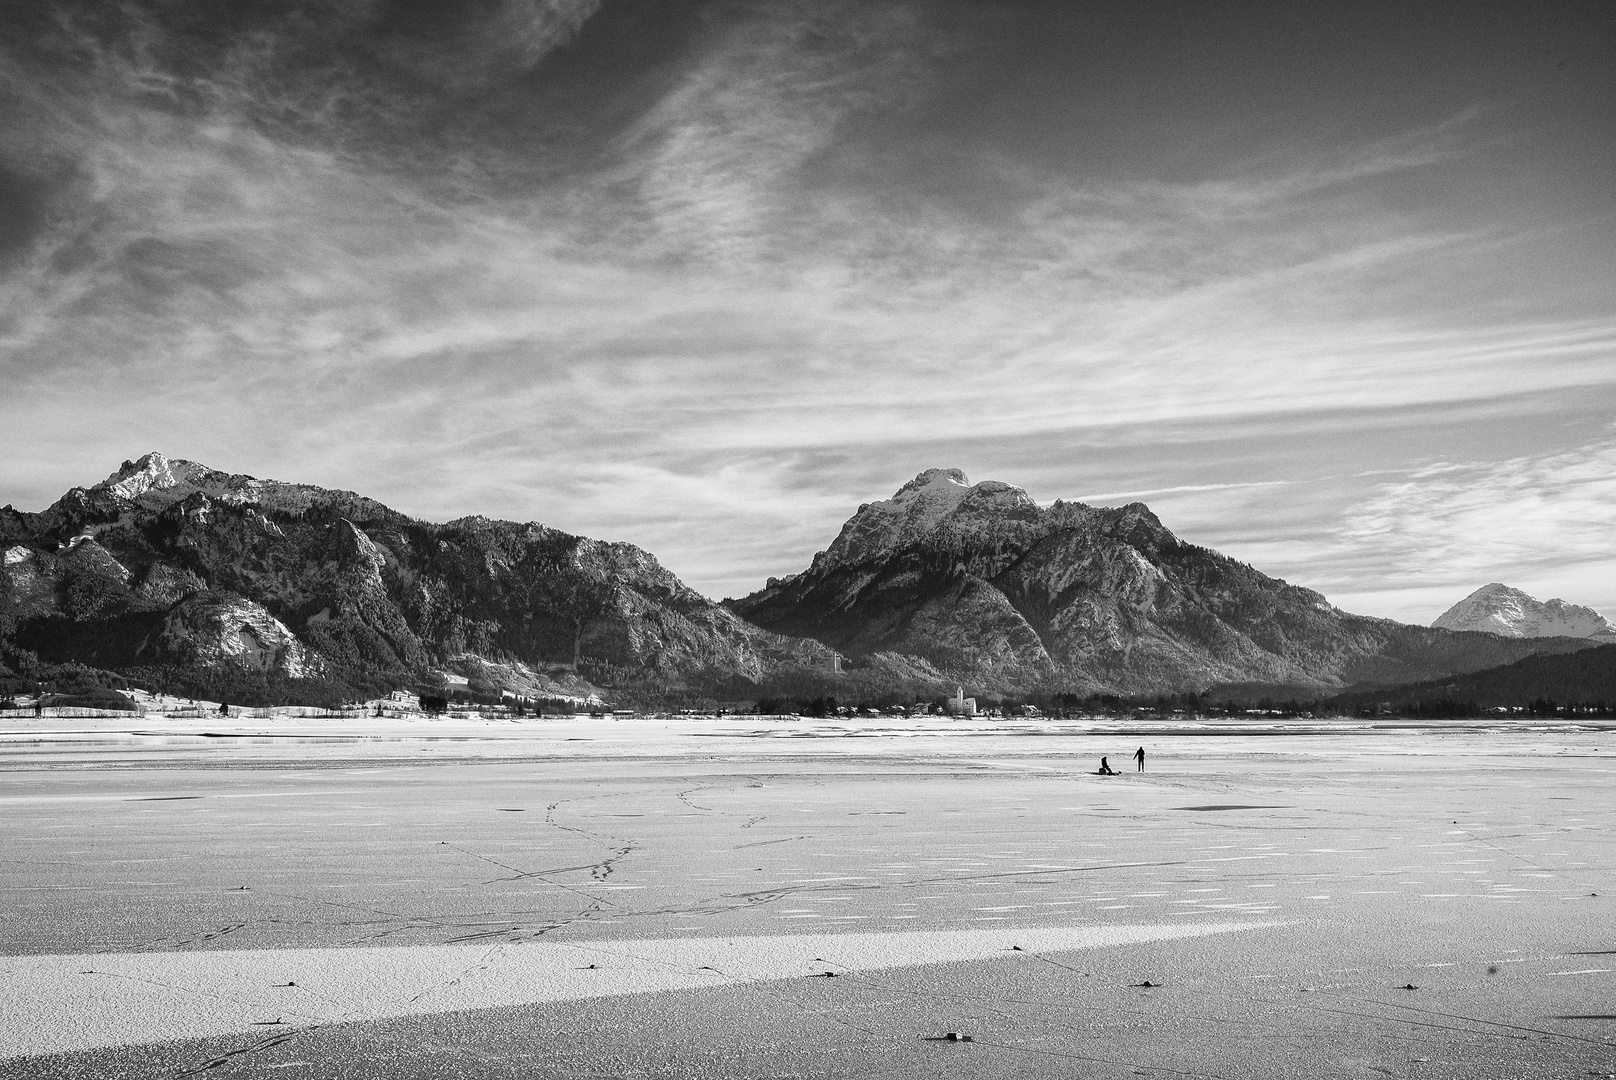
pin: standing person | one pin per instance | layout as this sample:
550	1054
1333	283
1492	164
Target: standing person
1139	756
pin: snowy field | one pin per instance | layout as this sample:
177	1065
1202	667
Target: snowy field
763	897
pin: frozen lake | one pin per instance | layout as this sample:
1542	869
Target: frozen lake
760	897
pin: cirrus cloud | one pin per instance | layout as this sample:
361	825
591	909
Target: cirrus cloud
712	304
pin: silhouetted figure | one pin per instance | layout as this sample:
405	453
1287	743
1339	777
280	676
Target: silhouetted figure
1139	756
1105	768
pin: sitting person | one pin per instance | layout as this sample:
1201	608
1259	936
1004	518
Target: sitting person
1105	768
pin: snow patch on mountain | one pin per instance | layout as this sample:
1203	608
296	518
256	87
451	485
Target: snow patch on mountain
1498	609
213	630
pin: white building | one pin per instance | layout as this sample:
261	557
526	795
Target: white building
962	705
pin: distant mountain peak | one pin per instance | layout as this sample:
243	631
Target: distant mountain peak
930	495
1496	608
933	478
154	480
134	478
935	499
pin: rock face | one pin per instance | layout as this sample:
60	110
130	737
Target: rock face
209	630
982	584
1499	609
169	566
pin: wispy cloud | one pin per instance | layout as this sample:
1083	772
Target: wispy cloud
1110	497
1410	543
327	251
1528	521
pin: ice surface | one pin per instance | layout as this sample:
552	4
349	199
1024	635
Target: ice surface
323	898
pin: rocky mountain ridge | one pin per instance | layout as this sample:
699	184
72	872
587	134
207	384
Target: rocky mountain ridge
1498	609
168	570
982	583
173	568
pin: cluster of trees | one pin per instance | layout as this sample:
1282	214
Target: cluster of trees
1090	704
1055	705
1060	705
1432	708
237	684
437	703
829	705
1440	709
542	706
784	706
22	671
98	697
1548	707
65	685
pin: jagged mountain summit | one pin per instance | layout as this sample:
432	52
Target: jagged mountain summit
184	573
978	582
1499	609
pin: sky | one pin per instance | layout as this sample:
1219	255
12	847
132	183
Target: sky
1329	286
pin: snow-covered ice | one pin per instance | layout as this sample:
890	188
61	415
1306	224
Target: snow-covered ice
769	896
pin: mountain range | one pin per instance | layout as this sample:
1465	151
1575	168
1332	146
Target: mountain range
257	588
982	583
1499	609
174	574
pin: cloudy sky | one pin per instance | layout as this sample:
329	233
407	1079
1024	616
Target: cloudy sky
1331	287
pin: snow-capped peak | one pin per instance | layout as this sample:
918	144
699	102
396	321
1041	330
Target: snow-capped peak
155	481
925	499
153	472
134	478
916	509
934	479
1498	609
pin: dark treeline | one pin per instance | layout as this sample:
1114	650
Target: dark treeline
24	674
66	686
1574	686
1187	705
1058	704
438	703
1582	683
